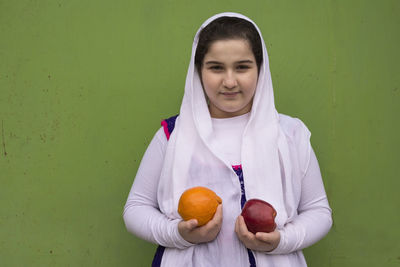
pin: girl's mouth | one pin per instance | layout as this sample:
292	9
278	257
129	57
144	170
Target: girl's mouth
230	94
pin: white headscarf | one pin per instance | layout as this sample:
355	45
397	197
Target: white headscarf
264	146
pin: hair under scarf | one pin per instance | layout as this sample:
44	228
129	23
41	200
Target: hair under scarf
265	155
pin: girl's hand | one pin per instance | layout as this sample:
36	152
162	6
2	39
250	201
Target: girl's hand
206	233
260	241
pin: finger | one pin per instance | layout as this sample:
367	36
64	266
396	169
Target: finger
239	230
242	226
271	238
191	224
214	225
264	237
237	225
218	214
216	221
245	235
268	237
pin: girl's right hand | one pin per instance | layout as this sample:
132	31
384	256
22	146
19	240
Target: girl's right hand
206	233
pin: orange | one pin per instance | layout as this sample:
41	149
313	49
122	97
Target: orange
198	203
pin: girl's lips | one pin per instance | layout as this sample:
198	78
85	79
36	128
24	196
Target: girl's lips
229	93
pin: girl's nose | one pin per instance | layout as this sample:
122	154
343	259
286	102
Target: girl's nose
229	81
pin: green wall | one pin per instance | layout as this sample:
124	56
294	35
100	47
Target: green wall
84	85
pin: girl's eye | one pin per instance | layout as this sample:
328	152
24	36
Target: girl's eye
243	67
216	67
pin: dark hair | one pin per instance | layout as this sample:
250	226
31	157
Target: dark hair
225	28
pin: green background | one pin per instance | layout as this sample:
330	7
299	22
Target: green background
84	85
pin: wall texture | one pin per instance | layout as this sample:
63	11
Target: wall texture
84	84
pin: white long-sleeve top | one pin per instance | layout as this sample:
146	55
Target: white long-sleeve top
144	219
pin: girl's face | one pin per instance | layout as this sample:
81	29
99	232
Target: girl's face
229	75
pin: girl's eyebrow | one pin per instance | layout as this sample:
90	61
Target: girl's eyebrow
213	62
247	61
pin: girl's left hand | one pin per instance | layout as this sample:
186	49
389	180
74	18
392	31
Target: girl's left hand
260	241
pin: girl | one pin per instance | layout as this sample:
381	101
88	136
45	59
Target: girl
229	137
